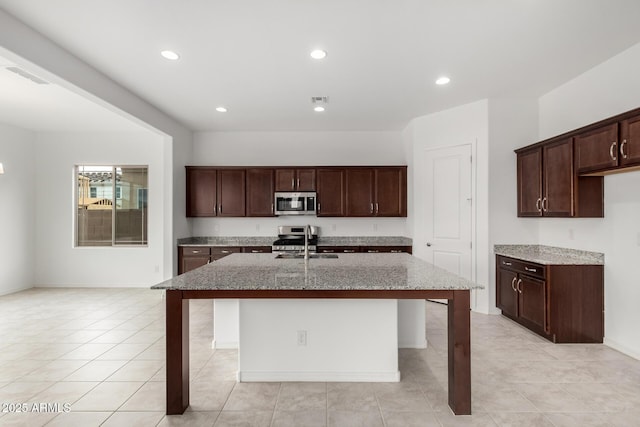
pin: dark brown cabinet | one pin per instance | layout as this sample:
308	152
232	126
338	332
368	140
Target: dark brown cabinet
303	179
549	186
376	192
256	250
630	142
331	192
260	189
364	249
597	149
563	303
215	192
192	257
338	249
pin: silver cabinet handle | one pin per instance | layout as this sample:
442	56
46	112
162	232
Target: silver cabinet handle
513	284
506	263
533	270
298	183
538	204
349	251
614	144
318	206
195	252
209	261
519	285
220	208
545	204
373	251
371	207
293	183
271	207
377	208
328	250
622	144
395	251
225	252
215	209
256	251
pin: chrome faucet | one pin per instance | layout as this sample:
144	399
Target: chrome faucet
307	236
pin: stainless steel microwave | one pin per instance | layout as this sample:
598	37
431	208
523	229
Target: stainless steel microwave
299	203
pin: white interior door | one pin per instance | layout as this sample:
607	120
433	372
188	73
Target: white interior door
448	209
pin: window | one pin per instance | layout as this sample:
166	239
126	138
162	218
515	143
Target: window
112	205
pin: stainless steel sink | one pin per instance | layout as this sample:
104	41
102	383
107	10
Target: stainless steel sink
301	256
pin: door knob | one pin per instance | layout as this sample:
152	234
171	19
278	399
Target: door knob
428	243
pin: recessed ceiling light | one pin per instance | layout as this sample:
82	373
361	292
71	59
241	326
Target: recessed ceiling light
443	80
169	54
318	109
221	109
318	54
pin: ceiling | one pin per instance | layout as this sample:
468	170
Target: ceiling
252	56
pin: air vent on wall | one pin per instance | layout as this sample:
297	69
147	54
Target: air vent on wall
27	75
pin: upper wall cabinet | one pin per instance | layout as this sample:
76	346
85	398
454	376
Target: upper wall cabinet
303	179
331	192
380	191
609	148
215	192
260	192
548	185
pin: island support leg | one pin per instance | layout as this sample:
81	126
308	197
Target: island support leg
459	345
177	331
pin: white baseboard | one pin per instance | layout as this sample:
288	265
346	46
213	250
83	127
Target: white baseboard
413	344
621	348
269	376
222	345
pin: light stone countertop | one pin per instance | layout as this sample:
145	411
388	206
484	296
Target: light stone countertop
550	255
322	241
348	272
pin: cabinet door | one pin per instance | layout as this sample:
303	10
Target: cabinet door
597	150
359	192
231	192
201	192
531	295
530	183
331	189
260	192
192	262
285	179
390	192
306	180
630	142
506	295
558	179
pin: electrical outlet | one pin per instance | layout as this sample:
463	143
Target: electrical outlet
302	338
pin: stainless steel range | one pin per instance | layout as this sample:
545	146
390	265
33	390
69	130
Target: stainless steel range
291	239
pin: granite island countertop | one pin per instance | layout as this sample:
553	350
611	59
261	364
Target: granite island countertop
550	255
322	241
347	272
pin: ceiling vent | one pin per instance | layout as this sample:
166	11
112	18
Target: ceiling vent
319	99
26	75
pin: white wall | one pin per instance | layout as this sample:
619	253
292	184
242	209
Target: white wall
32	51
17	208
298	149
467	124
606	90
59	263
512	124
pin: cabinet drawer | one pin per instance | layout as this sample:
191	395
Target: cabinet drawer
524	267
256	249
386	249
338	249
194	251
225	250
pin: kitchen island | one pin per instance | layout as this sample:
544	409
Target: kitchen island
351	276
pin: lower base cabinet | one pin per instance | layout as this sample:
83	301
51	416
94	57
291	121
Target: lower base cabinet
563	303
192	257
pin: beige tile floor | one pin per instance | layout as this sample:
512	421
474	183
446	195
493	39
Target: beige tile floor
101	351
